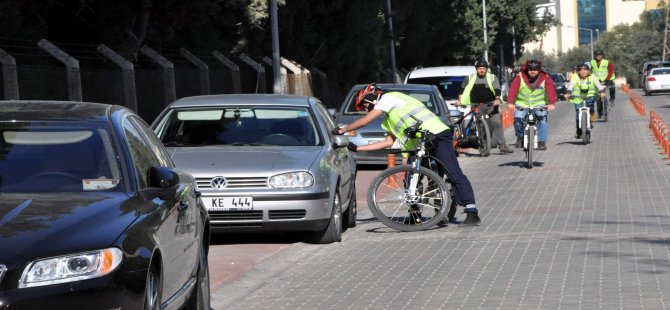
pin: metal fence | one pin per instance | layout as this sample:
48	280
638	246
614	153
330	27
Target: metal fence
145	82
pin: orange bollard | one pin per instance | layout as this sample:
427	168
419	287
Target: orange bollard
390	162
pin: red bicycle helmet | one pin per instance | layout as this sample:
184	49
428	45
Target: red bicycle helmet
368	94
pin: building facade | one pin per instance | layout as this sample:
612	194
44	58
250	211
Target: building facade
582	21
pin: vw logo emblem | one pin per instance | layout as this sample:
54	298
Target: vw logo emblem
218	183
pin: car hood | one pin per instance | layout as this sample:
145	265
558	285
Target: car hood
244	160
44	225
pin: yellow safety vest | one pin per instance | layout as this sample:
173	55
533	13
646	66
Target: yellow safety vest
601	72
528	97
587	85
398	119
465	98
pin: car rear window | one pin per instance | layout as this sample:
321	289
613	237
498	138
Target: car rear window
662	71
449	86
57	157
425	97
254	126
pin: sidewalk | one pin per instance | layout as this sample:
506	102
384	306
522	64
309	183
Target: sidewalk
587	228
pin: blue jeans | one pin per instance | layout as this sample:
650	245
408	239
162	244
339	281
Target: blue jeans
590	102
542	127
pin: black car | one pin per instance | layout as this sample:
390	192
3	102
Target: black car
93	213
561	85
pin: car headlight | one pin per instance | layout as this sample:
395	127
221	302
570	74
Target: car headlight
351	133
292	180
71	268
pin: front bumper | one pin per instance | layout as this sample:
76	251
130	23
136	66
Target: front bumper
293	212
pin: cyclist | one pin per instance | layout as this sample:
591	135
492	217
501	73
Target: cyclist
532	87
483	89
574	74
398	109
585	87
603	69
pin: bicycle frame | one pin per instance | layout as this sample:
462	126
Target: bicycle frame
531	120
585	107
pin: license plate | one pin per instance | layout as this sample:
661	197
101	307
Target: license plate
665	86
229	203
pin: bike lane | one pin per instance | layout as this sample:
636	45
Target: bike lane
586	228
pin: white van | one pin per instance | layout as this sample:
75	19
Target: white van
448	80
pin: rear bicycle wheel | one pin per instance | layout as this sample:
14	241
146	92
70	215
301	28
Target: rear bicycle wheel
606	107
586	131
530	147
390	200
483	137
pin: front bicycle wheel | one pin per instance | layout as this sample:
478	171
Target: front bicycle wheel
530	147
586	131
392	201
483	137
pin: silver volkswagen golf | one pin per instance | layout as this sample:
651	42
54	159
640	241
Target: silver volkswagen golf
264	162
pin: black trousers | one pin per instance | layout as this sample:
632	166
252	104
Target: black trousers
444	152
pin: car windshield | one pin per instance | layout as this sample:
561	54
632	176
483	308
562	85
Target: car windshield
57	157
244	125
423	96
449	86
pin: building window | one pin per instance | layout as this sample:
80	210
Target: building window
591	14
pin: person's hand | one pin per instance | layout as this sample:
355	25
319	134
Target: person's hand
352	147
550	107
496	102
336	131
567	96
602	95
511	106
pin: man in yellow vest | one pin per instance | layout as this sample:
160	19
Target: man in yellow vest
532	87
603	69
585	88
396	108
482	90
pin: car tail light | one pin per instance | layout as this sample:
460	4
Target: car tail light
651	79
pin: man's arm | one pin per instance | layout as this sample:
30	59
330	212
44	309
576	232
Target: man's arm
550	89
383	144
514	89
362	121
496	89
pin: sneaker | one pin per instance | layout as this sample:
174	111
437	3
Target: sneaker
519	142
541	146
578	135
504	149
471	217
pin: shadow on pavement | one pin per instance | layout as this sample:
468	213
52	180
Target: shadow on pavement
571	142
521	164
259	238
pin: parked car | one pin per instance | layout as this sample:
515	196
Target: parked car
560	83
94	214
373	132
264	162
647	66
658	80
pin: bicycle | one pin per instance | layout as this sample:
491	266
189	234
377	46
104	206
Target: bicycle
530	132
478	124
584	119
411	197
604	105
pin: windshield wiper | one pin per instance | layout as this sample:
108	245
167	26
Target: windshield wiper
175	143
248	144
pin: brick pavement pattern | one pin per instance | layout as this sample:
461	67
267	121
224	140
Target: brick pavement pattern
587	228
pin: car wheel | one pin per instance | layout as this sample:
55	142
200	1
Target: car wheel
350	214
333	231
153	289
200	298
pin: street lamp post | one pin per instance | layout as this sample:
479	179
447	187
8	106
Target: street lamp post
597	34
395	78
486	47
590	32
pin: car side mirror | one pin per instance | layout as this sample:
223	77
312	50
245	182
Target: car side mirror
163	184
340	141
